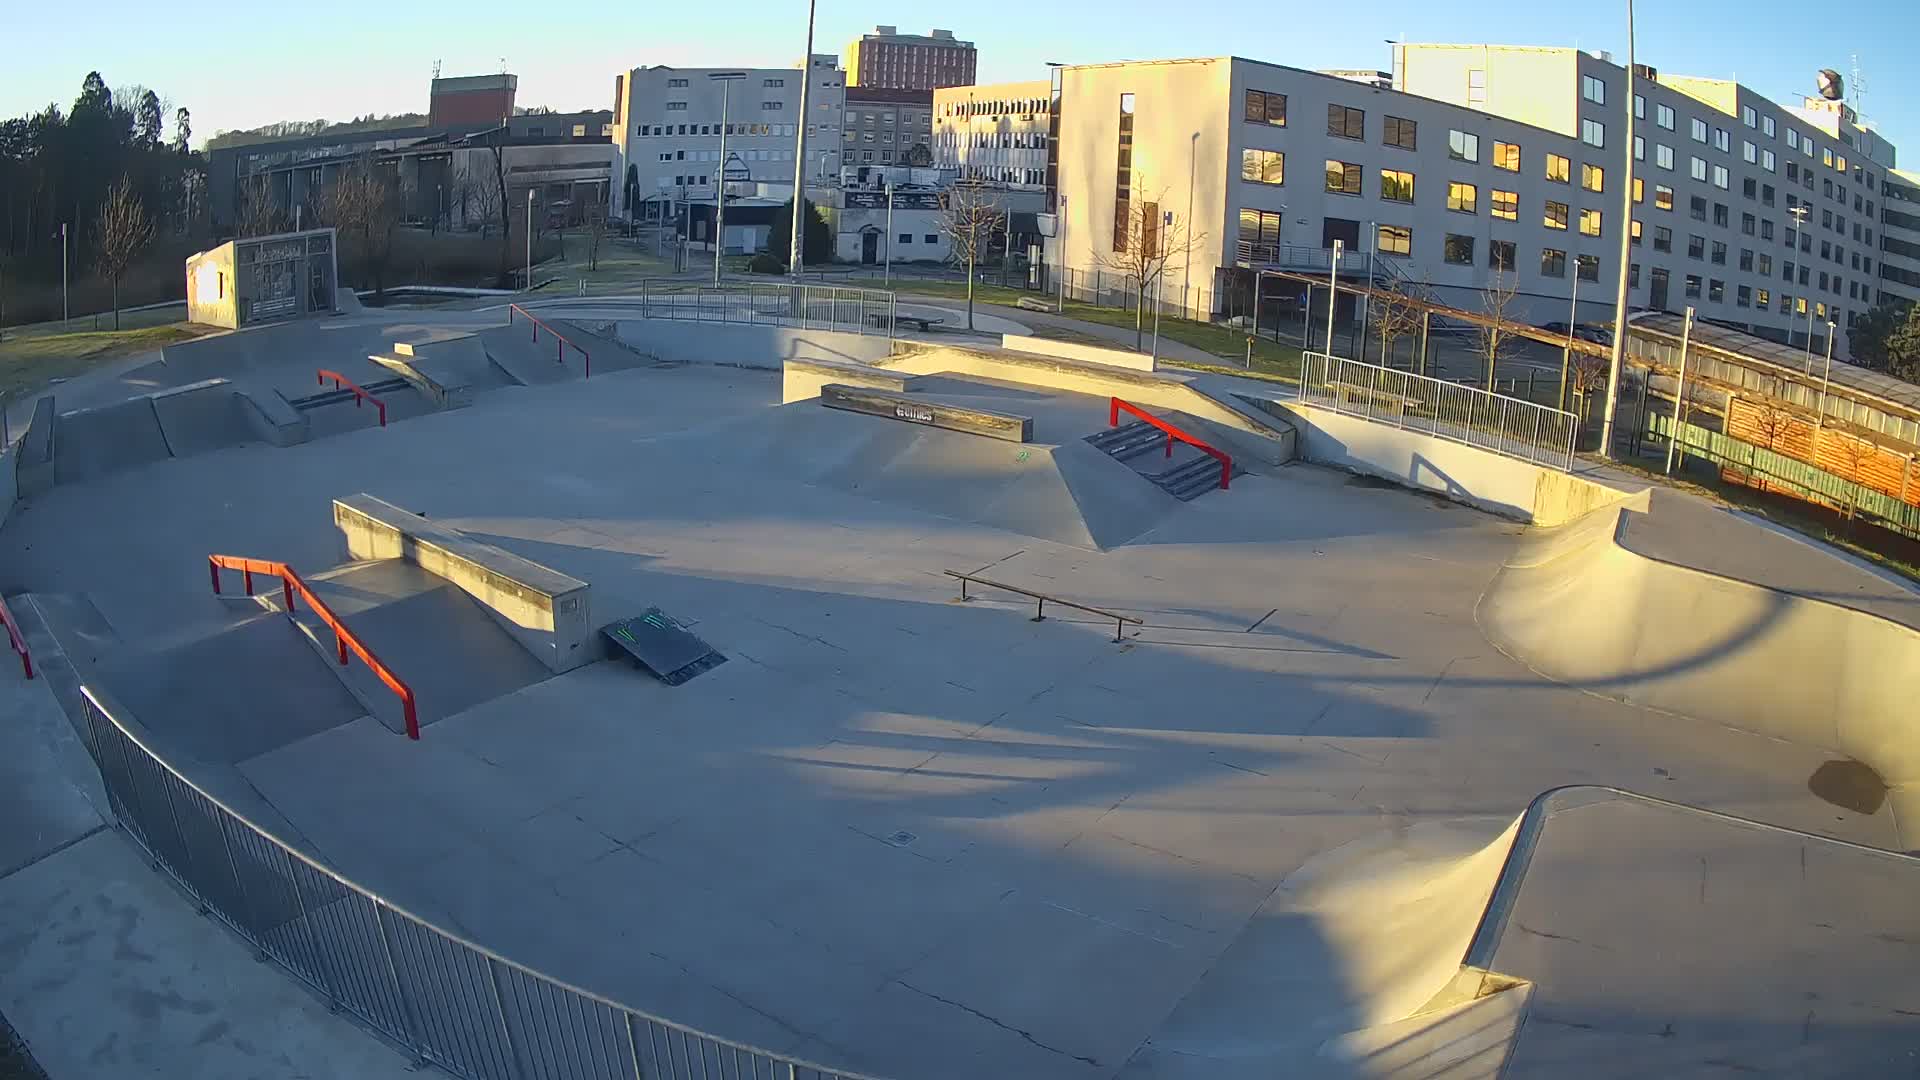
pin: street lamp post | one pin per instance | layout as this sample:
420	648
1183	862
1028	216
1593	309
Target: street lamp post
726	79
529	283
796	253
889	236
1799	215
1820	419
1620	298
1186	284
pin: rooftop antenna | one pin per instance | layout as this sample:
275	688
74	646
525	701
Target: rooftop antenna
1857	87
436	69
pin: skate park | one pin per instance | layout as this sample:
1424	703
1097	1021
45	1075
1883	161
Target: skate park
1341	750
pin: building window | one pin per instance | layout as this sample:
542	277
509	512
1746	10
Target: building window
1506	205
1395	240
1639	107
1698	129
1463	146
1747	224
1553	262
1749	152
1343	177
1696	247
772	106
1401	133
1662	239
1662	197
1743	296
1766	194
1663	115
1693	286
1458	249
1639	148
1586	267
676	106
1766	125
1639	190
1716	291
1589	223
1263	166
1593	90
1500	255
1720	178
1793	139
1697	168
1720	212
1266	108
1462	197
931	238
1506	156
1593	177
675	84
1663	156
1719	257
1761	297
1556	215
1697	207
1396	185
1767	160
1636	233
1593	133
1748	116
1346	123
1123	178
773	83
1558	168
1720	140
905	238
1749	187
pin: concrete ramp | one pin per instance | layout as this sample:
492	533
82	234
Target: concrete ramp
525	362
1581	605
203	416
447	372
91	443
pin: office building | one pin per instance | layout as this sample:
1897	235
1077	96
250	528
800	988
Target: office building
667	125
881	127
889	60
1485	164
1900	235
471	99
994	134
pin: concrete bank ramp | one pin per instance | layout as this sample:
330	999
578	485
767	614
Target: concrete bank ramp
91	443
1582	605
193	419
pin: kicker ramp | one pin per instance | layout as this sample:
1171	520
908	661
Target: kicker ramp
1578	604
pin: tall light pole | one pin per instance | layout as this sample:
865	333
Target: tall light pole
1566	354
529	284
889	237
1186	285
1821	419
1799	215
726	79
796	253
1615	362
65	313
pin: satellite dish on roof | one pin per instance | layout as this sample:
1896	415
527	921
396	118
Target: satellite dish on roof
1832	86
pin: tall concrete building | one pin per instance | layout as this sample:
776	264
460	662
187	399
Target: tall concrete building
667	126
881	126
891	60
471	99
994	134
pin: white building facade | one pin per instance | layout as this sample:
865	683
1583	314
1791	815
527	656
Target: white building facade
994	134
667	126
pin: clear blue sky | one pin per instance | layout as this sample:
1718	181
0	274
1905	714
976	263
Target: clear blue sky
349	57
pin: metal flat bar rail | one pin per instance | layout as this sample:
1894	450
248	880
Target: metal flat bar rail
1042	600
17	640
359	394
344	640
1114	408
564	343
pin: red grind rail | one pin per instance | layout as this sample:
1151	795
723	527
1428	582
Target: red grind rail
1173	433
17	639
343	638
562	343
359	395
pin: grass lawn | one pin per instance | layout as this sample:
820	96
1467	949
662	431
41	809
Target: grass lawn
31	360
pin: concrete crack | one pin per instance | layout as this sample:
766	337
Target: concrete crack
1027	1035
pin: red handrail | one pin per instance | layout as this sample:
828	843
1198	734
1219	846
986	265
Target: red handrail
343	638
560	350
17	639
359	395
1113	419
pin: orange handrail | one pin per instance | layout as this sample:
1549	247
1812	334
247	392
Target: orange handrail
359	395
343	638
17	639
1226	463
560	351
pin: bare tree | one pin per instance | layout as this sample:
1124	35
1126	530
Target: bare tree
479	199
594	223
970	219
1400	315
492	173
122	230
1143	245
1494	340
1854	453
259	215
364	207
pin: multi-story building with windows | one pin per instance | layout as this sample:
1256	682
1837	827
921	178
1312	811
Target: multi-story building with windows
994	134
667	125
889	60
1485	164
1900	236
881	126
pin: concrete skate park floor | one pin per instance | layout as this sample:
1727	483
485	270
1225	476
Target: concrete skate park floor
896	833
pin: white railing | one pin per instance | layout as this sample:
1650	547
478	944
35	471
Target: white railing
1463	414
812	307
448	1001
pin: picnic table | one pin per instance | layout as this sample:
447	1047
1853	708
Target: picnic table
1351	392
926	323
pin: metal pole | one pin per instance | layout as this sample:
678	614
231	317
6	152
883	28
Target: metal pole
1156	321
1366	298
796	253
65	312
1618	358
1333	292
889	271
1060	235
1186	285
1425	317
1258	277
1566	354
529	284
1821	417
1679	390
720	182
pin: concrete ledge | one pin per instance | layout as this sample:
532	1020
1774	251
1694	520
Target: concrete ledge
545	610
993	425
272	418
410	363
33	470
802	378
746	345
1069	350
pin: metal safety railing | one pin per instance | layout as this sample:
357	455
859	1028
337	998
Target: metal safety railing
359	395
344	640
18	640
811	307
1041	600
561	342
1115	406
447	1000
1464	414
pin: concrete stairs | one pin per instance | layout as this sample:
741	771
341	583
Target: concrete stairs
1186	475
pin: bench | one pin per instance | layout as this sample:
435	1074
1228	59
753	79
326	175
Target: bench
1032	304
924	322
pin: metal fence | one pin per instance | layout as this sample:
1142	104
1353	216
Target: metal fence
1464	414
812	307
450	1002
